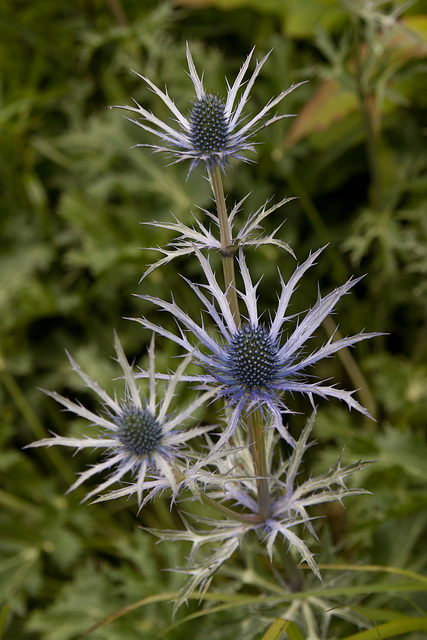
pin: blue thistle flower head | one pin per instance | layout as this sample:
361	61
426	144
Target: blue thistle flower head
140	437
139	432
251	364
215	130
209	128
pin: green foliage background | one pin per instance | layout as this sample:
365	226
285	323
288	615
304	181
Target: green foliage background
72	197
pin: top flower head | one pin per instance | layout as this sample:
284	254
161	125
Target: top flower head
215	130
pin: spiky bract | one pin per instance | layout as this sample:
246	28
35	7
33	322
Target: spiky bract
252	365
139	436
215	130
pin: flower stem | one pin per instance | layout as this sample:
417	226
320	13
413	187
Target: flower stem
227	249
256	435
255	426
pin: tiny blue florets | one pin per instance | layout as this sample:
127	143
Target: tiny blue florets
209	130
253	358
139	432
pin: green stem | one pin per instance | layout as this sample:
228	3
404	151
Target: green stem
256	436
371	151
227	249
255	426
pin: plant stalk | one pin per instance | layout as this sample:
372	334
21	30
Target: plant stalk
254	421
256	436
227	249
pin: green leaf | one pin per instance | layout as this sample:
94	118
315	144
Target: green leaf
279	626
391	629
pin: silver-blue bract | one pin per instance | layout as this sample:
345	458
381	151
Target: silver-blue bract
292	500
215	130
252	365
139	435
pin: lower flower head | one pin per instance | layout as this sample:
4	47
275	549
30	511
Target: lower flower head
139	436
292	508
139	432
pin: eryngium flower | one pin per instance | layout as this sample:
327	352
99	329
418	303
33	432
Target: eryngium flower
139	435
215	130
292	500
252	365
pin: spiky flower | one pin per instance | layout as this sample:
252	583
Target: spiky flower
200	236
139	436
251	364
215	130
215	540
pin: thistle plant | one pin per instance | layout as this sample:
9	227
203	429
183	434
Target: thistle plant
244	469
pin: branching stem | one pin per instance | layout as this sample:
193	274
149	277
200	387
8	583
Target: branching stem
254	421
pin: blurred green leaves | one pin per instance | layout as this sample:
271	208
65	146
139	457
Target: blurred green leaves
73	194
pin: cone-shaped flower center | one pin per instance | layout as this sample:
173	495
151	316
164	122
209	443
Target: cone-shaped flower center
209	130
139	432
253	357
